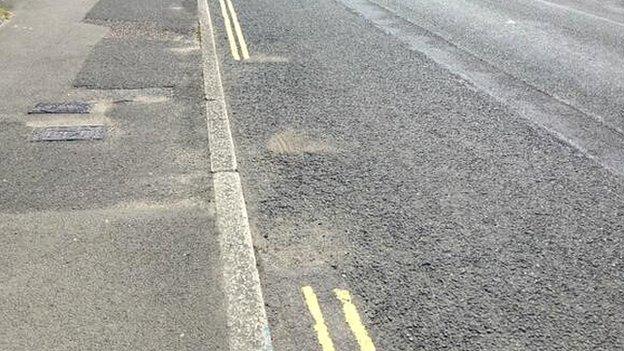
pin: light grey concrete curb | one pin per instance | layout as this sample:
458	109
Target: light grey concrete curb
248	327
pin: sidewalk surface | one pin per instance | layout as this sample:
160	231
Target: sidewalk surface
107	244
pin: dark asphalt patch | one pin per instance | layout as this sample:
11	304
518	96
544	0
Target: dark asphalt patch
178	16
131	64
61	107
69	133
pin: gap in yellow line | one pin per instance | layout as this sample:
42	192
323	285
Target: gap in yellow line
322	332
354	321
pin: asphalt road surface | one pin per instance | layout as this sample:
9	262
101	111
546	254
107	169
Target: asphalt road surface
441	160
418	175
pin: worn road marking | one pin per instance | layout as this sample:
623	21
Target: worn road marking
322	332
238	30
228	30
354	321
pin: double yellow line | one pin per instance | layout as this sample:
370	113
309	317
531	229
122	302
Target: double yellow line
351	315
227	10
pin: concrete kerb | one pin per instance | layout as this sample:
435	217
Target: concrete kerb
248	327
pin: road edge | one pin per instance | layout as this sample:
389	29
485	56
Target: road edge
248	328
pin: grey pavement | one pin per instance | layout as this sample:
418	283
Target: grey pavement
110	244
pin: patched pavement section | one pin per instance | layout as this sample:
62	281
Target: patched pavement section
111	243
135	63
164	15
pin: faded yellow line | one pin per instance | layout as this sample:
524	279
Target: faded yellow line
322	332
238	30
228	30
354	320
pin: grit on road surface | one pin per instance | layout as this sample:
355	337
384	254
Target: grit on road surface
457	221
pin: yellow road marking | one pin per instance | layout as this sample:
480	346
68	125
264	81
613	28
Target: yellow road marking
321	329
228	30
354	320
239	32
